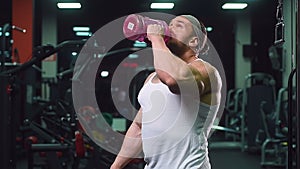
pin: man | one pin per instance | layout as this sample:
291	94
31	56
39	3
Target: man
179	101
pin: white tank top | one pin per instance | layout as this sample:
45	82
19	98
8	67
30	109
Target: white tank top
174	133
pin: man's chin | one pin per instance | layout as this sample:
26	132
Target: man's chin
177	47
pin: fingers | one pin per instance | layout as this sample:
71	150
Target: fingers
154	30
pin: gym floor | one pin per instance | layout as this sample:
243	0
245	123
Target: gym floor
233	159
223	155
220	159
227	154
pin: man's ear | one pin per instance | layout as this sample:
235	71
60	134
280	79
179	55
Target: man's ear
193	43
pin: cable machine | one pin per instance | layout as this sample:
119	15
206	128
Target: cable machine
298	82
293	154
293	161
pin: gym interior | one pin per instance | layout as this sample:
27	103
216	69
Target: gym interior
40	73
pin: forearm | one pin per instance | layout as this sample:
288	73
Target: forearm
131	148
167	62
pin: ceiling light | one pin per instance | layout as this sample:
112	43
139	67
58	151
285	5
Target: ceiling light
74	53
209	29
104	73
234	5
83	34
133	56
79	28
69	5
162	5
139	44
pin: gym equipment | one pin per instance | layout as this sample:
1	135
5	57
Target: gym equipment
292	140
274	148
279	27
297	108
8	94
51	143
233	114
258	87
293	160
135	27
8	79
7	129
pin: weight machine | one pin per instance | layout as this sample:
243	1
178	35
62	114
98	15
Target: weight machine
293	161
258	87
8	80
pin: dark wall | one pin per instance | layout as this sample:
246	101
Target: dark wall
263	35
5	12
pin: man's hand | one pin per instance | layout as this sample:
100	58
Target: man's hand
154	31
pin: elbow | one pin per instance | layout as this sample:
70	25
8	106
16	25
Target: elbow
173	86
169	81
165	78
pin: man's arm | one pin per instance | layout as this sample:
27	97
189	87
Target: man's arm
170	69
132	145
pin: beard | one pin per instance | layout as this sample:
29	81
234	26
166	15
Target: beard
177	47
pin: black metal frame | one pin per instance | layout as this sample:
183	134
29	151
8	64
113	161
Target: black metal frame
7	122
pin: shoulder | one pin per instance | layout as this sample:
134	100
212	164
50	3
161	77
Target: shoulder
208	72
205	68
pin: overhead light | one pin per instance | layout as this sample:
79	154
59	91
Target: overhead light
234	6
74	53
104	73
162	5
65	5
133	56
83	34
80	28
209	29
139	44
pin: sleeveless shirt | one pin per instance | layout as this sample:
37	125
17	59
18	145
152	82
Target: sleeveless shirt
174	133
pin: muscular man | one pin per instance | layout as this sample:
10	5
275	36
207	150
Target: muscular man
179	102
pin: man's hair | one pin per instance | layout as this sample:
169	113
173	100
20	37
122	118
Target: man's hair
200	31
